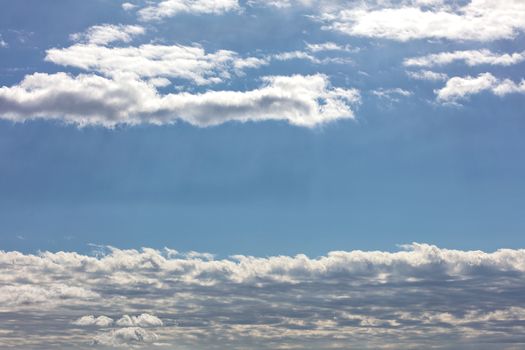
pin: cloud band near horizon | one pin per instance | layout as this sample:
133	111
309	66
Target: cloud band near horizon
161	298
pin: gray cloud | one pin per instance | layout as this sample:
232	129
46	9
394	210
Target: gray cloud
413	298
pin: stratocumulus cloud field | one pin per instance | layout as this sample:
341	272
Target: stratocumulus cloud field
413	298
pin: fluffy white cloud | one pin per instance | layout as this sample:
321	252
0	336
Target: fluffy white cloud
191	63
458	88
470	57
169	8
128	6
428	75
126	337
479	20
344	299
143	320
90	320
240	64
151	61
94	100
107	33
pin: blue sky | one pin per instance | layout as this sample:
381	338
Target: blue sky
268	129
407	167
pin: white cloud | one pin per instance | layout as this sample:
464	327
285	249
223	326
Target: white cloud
281	4
458	88
428	75
3	44
93	100
478	20
169	8
329	46
90	320
191	63
143	320
241	64
392	94
152	61
302	55
125	337
470	57
107	33
128	6
46	297
343	299
293	55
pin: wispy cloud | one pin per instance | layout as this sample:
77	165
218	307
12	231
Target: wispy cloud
107	33
169	8
427	75
470	57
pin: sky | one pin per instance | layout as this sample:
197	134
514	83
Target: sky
262	174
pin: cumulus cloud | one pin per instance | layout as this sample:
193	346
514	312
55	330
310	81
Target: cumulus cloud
428	75
90	320
470	57
128	6
411	298
169	8
94	100
107	33
126	337
143	320
477	20
458	88
191	63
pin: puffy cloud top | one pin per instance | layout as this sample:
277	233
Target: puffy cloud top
356	297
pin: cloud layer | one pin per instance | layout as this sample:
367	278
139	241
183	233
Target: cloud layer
406	299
